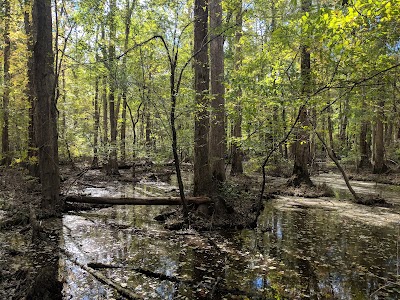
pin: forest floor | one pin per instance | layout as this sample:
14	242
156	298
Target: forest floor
28	258
29	261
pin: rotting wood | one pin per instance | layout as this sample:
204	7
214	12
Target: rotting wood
136	200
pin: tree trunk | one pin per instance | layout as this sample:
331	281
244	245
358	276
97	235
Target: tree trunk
112	168
202	178
30	92
285	145
105	118
129	9
105	145
365	160
217	128
236	149
5	145
379	162
330	129
95	161
343	125
302	145
45	109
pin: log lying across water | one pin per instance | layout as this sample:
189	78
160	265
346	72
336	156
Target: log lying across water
136	200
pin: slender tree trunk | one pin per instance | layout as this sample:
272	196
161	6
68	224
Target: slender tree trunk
30	92
236	150
148	125
343	125
45	109
202	175
129	9
302	144
105	118
330	129
217	128
63	130
285	146
365	160
379	162
5	145
112	168
95	161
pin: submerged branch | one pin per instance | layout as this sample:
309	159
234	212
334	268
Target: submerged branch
136	200
103	279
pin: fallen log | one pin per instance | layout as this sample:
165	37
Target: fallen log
136	200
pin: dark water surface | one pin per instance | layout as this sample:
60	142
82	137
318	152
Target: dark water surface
293	254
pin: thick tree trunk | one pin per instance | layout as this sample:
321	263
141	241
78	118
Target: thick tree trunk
379	161
236	150
302	145
217	128
301	153
202	175
5	145
45	109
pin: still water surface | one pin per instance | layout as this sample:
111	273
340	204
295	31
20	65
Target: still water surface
297	253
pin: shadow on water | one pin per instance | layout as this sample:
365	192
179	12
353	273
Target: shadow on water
293	254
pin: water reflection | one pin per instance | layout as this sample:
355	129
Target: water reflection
293	254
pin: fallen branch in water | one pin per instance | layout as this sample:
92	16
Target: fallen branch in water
136	200
91	185
145	272
103	279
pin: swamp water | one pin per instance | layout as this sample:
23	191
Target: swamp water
294	253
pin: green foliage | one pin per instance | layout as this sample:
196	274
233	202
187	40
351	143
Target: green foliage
352	50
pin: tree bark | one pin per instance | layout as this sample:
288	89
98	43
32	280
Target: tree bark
33	167
379	162
236	149
112	168
365	160
202	178
95	161
129	10
5	145
217	128
105	118
45	109
344	120
302	145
